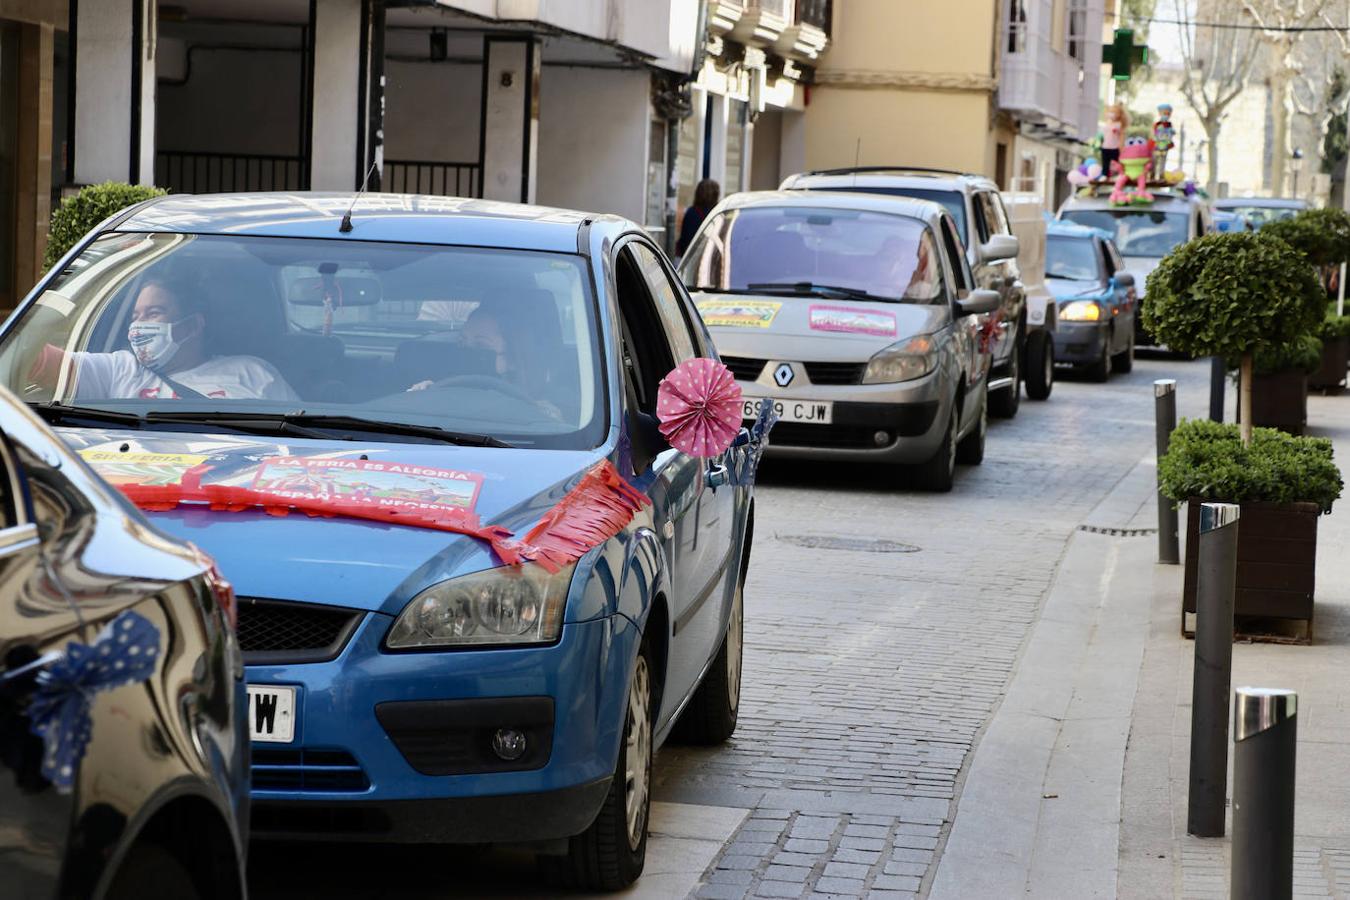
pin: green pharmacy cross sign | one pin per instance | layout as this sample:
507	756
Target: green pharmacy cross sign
1122	53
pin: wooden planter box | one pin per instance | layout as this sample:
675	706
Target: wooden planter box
1335	359
1276	567
1280	401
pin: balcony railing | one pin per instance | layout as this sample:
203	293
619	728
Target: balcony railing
191	172
423	176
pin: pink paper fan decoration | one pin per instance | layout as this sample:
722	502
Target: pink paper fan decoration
699	405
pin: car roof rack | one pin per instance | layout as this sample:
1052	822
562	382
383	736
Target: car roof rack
862	170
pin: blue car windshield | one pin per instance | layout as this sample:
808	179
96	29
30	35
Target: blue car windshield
1071	258
767	249
1136	232
502	343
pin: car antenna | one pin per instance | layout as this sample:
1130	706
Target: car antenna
346	224
857	154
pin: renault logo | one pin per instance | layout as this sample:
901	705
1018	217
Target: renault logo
783	375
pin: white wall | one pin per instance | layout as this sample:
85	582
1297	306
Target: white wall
337	38
792	148
593	132
103	94
511	139
765	158
665	30
432	110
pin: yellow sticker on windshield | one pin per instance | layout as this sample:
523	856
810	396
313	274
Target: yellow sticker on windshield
738	313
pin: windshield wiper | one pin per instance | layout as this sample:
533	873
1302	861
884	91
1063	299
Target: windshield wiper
56	413
818	290
309	424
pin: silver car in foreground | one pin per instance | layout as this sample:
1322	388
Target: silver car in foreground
857	317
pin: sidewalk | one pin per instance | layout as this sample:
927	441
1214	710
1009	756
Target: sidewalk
1078	788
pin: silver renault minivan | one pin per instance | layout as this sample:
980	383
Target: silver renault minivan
857	316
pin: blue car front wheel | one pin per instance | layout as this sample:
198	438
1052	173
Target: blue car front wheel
611	853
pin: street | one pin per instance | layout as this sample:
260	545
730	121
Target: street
882	626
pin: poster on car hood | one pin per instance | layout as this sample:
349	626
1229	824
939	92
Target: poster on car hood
357	482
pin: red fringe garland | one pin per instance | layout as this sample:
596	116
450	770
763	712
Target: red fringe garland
600	505
230	498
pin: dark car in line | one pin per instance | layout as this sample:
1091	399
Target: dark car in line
1097	301
123	740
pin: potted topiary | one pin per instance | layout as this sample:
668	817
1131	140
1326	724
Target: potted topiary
1283	483
1229	294
1335	334
81	211
1321	235
1280	382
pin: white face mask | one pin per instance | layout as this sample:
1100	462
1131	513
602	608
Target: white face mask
152	342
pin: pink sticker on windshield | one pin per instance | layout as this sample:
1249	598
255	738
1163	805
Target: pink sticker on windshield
852	320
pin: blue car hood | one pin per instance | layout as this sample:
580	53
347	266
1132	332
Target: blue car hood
342	561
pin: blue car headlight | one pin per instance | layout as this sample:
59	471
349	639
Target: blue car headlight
513	605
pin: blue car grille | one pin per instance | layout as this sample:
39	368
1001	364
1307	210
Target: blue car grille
317	771
280	631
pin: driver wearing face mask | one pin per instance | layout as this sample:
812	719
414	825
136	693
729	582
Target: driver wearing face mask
168	358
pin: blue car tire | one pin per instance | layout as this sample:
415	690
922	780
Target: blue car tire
611	853
710	717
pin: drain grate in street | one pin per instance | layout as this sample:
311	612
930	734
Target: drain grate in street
1118	532
835	542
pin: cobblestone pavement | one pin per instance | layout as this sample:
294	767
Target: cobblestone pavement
870	675
870	669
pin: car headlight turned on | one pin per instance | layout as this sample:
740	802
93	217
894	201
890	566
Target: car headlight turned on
902	361
515	605
1081	311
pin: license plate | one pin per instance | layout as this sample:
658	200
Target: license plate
271	714
817	412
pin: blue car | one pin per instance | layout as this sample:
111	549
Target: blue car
477	587
1098	305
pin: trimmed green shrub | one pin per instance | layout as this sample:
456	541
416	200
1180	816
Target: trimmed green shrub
1322	235
78	214
1227	294
1303	353
1334	326
1208	460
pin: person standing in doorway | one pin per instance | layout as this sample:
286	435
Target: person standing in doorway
706	196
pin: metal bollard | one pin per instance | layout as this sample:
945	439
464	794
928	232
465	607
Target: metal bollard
1265	730
1218	371
1212	678
1165	417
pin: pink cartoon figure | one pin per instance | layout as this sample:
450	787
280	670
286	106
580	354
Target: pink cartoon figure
1135	157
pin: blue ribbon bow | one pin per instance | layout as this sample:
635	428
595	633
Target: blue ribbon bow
124	652
743	471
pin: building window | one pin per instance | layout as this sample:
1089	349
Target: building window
1017	26
1076	29
814	12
